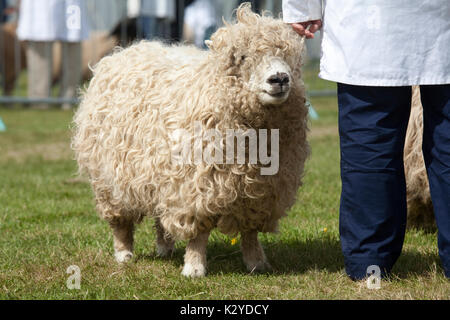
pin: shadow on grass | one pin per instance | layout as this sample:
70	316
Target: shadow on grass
415	263
299	257
294	257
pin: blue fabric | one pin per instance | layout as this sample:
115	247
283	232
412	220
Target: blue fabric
372	127
3	6
436	151
146	27
150	28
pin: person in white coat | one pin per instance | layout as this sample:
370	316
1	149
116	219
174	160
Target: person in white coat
42	22
200	21
375	51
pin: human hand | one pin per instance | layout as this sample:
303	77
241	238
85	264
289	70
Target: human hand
307	28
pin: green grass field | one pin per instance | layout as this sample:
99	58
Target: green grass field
48	223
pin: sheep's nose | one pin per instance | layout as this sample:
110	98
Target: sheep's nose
280	78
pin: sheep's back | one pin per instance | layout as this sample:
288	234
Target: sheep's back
122	127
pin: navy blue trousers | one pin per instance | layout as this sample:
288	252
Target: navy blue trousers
372	128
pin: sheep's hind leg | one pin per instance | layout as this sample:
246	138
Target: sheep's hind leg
123	230
164	242
253	253
195	257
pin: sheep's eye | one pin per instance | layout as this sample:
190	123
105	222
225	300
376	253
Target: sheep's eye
243	57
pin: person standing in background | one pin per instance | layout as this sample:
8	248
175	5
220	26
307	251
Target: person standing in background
41	22
200	22
375	53
3	15
154	17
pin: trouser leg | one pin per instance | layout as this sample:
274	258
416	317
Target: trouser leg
39	56
71	70
372	128
436	151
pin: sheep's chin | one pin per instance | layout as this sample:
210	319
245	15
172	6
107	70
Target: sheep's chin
266	98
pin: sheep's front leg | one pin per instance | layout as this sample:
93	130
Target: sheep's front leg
253	253
123	230
195	257
164	242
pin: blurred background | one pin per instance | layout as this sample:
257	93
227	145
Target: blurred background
44	74
48	219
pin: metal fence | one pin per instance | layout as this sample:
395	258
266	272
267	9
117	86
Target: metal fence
111	24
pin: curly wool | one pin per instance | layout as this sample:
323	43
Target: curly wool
420	208
140	95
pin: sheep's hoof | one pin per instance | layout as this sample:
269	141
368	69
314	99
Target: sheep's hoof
259	267
123	256
193	271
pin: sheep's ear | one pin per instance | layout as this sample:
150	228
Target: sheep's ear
244	14
208	43
218	40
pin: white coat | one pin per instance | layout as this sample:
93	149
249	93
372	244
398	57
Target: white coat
52	20
380	42
199	16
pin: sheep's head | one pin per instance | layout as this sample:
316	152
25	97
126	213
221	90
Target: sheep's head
262	53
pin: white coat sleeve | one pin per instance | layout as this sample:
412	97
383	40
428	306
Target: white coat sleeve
301	10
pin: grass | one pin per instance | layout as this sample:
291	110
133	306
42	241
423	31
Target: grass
48	223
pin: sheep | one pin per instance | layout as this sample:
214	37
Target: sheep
125	133
420	208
